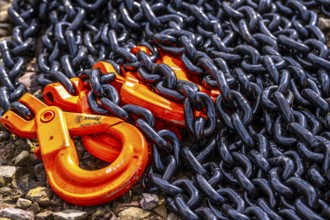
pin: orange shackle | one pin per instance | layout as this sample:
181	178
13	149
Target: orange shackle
53	128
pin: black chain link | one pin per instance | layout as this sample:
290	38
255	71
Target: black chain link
269	158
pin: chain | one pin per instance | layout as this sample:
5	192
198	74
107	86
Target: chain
269	157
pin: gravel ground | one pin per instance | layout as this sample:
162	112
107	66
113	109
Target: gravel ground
24	191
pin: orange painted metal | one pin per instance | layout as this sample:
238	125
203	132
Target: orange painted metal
180	71
103	146
54	129
133	91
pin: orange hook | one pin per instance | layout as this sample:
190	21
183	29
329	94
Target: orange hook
53	128
132	91
102	145
180	71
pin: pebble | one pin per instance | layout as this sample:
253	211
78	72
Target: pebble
149	201
161	210
17	214
55	201
173	216
4	136
29	80
2	182
22	158
70	214
20	142
98	214
16	194
3	32
5	190
46	215
38	195
108	215
26	182
3	15
35	208
23	203
8	173
122	206
7	151
133	213
39	172
324	23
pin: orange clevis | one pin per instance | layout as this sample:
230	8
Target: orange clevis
54	129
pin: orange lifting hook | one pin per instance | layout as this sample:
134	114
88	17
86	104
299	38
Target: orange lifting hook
102	145
53	128
133	91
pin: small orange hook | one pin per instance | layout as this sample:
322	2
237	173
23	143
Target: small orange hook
53	128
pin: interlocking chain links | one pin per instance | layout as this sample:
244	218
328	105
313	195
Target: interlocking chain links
15	52
269	160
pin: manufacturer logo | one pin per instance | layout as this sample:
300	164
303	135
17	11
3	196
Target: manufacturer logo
79	119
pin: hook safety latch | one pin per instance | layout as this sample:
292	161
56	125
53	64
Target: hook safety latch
54	129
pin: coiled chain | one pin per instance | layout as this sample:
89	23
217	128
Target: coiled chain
268	158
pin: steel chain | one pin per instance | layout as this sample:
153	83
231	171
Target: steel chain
268	159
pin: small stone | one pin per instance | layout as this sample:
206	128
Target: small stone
46	215
34	208
38	195
2	182
90	209
29	79
55	201
22	158
324	23
108	215
149	201
70	214
27	182
133	213
161	210
23	203
17	214
8	173
16	194
156	217
3	16
5	190
6	199
126	197
173	216
20	142
39	172
98	214
122	206
4	136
